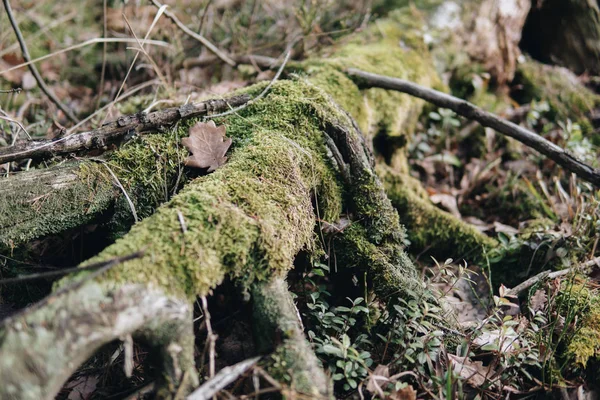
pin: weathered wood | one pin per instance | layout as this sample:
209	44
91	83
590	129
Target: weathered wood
566	33
116	131
77	323
468	110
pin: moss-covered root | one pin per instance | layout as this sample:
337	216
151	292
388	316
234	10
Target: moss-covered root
45	202
559	87
431	229
43	347
42	202
278	329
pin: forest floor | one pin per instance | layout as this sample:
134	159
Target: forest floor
503	188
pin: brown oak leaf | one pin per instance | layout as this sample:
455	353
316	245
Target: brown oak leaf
208	145
538	301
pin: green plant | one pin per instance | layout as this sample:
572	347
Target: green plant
332	332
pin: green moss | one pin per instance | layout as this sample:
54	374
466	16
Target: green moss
251	217
40	203
393	47
567	97
585	343
431	229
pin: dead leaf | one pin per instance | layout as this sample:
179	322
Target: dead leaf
208	145
447	201
538	300
406	393
28	82
477	223
509	230
474	372
335	227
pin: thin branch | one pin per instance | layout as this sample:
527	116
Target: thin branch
260	96
32	68
83	44
74	285
118	183
116	131
196	36
53	274
225	376
584	268
470	111
15	90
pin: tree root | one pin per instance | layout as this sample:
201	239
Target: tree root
48	344
277	327
431	229
31	200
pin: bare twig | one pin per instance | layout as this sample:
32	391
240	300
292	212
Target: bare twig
53	274
118	183
584	268
5	117
76	284
211	338
196	36
116	131
84	44
15	90
260	96
225	376
32	68
468	110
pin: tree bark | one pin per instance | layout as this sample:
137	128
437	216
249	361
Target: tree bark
566	33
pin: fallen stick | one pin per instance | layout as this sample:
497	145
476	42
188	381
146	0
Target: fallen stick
214	49
115	131
470	111
584	268
226	376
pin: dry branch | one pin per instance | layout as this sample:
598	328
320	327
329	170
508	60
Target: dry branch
116	131
226	376
583	268
470	111
196	36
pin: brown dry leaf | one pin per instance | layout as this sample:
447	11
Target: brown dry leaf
538	300
474	372
208	145
509	230
447	201
406	393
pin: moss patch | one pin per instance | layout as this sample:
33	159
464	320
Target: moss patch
585	343
251	217
431	229
567	97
